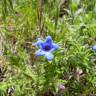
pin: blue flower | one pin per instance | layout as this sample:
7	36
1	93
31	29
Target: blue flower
46	48
94	48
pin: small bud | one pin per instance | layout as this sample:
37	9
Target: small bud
62	87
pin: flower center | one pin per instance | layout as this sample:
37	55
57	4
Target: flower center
47	48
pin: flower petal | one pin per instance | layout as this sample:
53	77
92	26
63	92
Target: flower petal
49	56
39	53
48	40
94	48
39	43
54	47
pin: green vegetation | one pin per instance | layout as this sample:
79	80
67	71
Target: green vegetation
71	24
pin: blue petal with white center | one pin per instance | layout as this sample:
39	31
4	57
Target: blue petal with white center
46	48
